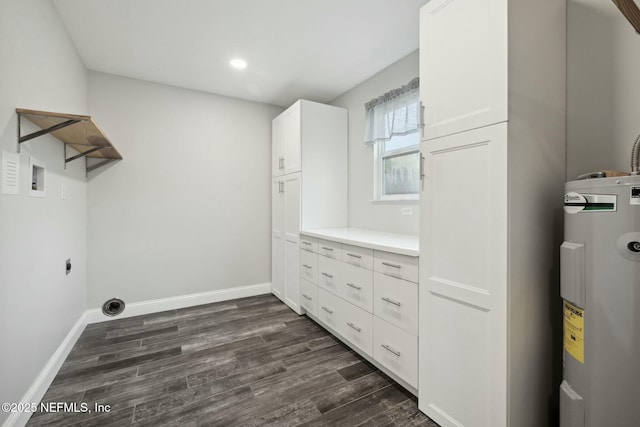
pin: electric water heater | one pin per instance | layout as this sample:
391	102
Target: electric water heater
600	288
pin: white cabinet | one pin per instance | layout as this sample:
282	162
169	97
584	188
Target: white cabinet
396	349
286	140
277	146
463	278
309	168
277	238
374	313
396	301
494	155
463	78
291	221
309	265
309	296
285	223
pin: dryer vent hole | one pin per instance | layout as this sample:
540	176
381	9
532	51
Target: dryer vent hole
113	307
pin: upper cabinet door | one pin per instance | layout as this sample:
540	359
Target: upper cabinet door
463	65
277	146
293	139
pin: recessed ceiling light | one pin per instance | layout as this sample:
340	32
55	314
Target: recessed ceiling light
239	64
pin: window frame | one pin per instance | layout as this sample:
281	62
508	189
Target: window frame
379	154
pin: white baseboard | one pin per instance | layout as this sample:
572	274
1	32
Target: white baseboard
44	379
154	306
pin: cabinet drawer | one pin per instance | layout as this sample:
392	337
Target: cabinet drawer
356	325
356	286
360	257
309	243
396	301
396	349
396	265
309	296
329	272
329	309
309	266
330	249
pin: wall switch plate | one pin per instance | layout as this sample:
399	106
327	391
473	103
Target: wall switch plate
63	192
407	211
68	266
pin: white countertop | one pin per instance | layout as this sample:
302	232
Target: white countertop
405	244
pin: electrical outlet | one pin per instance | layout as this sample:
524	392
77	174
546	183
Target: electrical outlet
407	211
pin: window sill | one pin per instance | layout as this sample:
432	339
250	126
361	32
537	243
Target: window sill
396	201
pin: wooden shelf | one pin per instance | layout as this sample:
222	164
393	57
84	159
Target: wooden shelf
78	132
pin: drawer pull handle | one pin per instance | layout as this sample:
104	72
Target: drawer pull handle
354	255
327	275
327	249
354	327
307	297
306	266
327	310
351	285
386	347
306	243
390	301
392	265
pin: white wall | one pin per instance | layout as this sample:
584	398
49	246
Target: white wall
39	69
603	87
362	212
187	210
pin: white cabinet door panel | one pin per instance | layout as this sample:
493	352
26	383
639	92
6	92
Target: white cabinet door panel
396	265
277	206
277	266
292	207
463	278
309	266
396	301
292	275
357	327
277	238
329	274
330	249
396	349
329	309
277	147
293	140
356	286
309	296
358	256
309	243
463	65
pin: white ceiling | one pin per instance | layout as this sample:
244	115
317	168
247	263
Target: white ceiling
312	49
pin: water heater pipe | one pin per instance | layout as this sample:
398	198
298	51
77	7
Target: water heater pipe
635	157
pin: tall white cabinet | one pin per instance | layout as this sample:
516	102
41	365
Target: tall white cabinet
492	85
309	186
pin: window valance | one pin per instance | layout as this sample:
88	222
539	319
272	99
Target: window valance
397	112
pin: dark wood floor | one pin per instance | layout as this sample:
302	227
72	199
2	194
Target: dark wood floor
246	362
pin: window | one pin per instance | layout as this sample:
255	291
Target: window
396	168
392	128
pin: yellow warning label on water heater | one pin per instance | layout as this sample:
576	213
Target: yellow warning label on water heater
574	331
